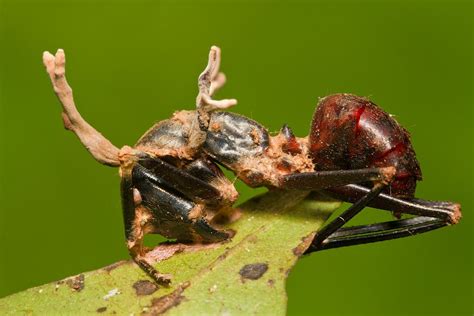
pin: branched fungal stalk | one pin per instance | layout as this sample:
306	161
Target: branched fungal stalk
99	146
211	80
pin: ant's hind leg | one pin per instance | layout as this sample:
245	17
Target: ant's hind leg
347	215
431	215
357	235
446	211
326	179
319	180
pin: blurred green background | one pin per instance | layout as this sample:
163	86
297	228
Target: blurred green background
131	63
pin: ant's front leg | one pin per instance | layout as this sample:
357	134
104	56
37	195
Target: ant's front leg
158	197
135	222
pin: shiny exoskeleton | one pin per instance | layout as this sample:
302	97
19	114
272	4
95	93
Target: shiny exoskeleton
172	183
350	132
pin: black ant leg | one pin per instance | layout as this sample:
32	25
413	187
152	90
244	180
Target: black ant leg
153	203
319	180
352	211
200	181
364	234
434	215
172	215
326	179
161	172
446	211
449	206
134	233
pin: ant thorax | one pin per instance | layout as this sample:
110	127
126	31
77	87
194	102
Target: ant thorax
283	156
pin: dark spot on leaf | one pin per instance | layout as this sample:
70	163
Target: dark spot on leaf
144	287
76	283
101	309
271	282
160	305
253	271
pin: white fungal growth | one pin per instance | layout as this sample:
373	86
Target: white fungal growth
111	293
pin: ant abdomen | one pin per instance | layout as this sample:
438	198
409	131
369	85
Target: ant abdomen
350	132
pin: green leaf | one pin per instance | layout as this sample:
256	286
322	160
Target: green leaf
244	276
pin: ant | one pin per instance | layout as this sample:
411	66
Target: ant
172	184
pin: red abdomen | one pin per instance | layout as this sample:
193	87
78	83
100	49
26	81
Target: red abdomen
350	132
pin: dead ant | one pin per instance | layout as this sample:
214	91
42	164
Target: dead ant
171	183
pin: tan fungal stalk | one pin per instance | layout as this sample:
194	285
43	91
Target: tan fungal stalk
211	80
100	147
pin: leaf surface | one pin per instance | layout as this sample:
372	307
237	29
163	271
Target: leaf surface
244	276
